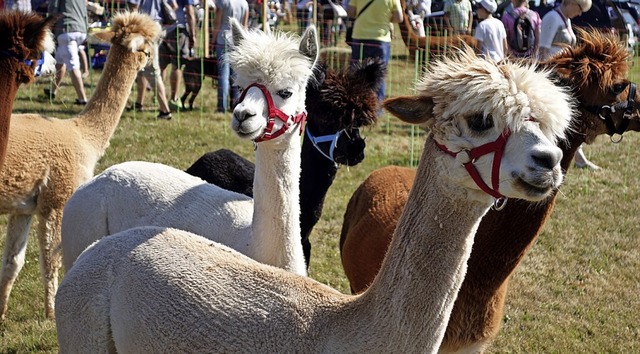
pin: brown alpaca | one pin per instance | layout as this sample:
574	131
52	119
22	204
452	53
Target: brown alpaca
436	44
597	72
49	158
25	36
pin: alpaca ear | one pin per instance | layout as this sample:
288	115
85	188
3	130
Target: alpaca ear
237	32
374	73
410	109
309	44
39	32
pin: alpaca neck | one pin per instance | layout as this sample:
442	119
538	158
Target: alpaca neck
316	177
411	298
276	215
100	117
9	89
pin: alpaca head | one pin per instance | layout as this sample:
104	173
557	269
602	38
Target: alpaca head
468	102
273	71
25	38
136	32
597	69
340	103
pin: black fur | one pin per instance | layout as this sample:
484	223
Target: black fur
193	73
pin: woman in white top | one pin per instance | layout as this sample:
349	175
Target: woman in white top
554	33
490	32
556	26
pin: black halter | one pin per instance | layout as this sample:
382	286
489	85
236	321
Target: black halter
605	113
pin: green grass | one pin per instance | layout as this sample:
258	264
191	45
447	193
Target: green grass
578	289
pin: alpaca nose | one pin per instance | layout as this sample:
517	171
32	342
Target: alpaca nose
547	157
243	114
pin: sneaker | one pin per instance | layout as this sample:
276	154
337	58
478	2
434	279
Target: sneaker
175	104
164	115
80	102
137	106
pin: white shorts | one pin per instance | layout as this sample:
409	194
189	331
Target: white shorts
67	50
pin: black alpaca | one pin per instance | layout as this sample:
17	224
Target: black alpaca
193	73
338	103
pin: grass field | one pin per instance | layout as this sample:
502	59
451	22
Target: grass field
577	291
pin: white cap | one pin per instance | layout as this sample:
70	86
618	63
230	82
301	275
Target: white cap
490	5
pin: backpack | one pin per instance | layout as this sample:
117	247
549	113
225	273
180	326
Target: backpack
523	39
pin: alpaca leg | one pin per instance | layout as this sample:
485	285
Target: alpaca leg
13	258
49	227
196	90
183	98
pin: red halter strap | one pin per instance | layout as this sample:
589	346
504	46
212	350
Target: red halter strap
274	112
497	147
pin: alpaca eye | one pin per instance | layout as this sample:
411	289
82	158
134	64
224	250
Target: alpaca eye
284	94
479	123
618	88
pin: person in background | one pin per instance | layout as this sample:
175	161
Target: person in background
327	19
490	32
556	33
372	30
303	14
179	43
70	31
521	8
417	11
151	73
458	16
21	5
238	9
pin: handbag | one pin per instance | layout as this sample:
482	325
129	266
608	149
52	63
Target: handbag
169	16
350	22
338	9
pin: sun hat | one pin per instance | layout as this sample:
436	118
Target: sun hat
490	5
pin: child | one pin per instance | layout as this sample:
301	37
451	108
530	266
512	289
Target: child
490	33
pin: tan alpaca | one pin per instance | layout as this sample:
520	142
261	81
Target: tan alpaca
49	158
154	289
24	37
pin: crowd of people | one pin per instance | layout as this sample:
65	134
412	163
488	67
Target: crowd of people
519	32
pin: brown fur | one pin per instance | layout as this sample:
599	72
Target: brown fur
49	158
23	37
504	237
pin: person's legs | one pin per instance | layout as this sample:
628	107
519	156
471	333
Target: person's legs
152	73
141	88
176	60
84	61
224	74
67	54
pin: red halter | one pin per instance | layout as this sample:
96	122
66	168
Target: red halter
497	147
274	112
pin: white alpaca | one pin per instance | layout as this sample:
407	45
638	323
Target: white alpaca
142	193
154	289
